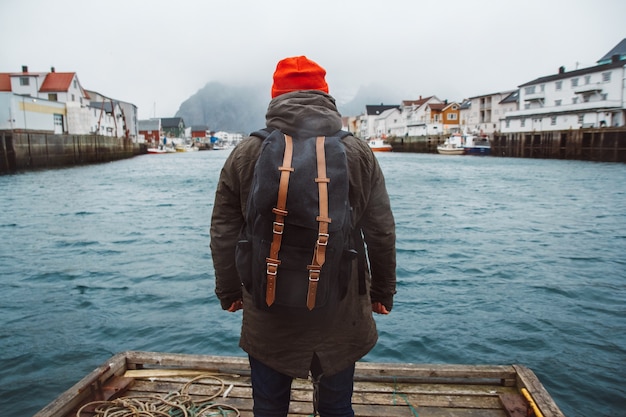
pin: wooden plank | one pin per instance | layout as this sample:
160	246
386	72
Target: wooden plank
88	387
201	362
497	372
514	405
527	379
159	373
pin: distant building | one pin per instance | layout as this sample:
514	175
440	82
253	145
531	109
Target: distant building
482	114
199	133
418	116
150	131
173	127
367	125
56	102
583	98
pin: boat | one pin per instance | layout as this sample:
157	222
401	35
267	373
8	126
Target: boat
450	149
380	145
161	149
156	151
465	144
186	148
477	145
220	385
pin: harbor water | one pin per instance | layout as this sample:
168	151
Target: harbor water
500	261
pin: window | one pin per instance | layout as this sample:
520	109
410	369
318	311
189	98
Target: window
587	79
523	122
559	85
606	77
542	87
530	90
581	119
452	116
557	103
575	100
574	82
75	84
553	120
604	96
53	97
24	81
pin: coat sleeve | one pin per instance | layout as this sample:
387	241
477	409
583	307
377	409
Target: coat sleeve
374	216
227	219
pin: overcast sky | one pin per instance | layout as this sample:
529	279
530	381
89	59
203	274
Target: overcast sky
156	53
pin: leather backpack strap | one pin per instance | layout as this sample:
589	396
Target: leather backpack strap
319	255
280	211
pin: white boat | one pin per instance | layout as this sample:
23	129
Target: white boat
380	145
459	144
157	151
186	148
452	146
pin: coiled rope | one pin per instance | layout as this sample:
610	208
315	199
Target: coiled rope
175	404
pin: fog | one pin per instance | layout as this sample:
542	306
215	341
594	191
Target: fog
155	54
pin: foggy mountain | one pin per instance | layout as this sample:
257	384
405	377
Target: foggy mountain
242	109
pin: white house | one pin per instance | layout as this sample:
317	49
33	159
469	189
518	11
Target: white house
367	121
418	118
389	123
56	102
482	114
121	116
588	97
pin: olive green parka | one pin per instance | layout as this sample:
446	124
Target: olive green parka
344	335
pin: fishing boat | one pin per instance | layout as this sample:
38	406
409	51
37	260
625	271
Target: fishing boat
380	145
448	148
156	151
465	144
186	148
477	145
220	385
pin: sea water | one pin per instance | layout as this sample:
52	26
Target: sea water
500	261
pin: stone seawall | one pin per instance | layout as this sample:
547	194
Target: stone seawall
25	151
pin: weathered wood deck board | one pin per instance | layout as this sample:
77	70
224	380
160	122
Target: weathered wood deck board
393	390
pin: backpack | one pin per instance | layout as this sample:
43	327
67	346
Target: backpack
295	252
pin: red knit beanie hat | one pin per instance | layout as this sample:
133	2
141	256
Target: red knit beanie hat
298	73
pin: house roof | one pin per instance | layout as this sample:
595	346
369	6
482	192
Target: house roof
5	81
171	122
451	105
417	103
375	110
619	50
576	73
199	128
511	98
437	106
507	92
57	81
152	124
107	106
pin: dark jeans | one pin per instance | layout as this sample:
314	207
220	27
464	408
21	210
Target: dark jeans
271	391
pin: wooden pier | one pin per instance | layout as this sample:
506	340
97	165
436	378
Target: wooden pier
600	145
220	385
